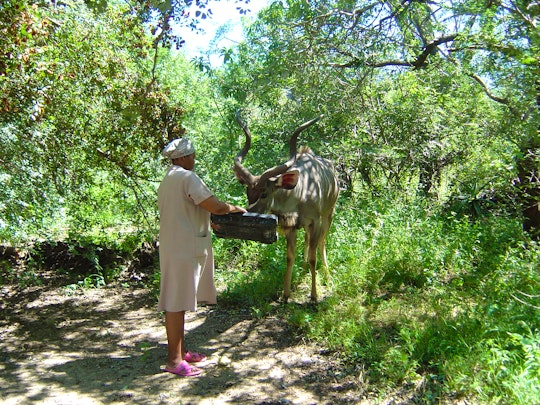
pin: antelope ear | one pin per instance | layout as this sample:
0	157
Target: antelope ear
288	180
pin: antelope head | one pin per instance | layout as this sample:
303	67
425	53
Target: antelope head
260	189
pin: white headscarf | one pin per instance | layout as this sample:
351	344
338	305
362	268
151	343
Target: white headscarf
178	148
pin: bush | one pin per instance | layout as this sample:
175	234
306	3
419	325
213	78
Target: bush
419	295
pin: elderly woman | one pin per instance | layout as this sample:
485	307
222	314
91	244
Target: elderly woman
185	250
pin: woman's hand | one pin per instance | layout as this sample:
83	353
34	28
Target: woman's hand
237	209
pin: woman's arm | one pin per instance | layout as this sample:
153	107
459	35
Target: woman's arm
217	207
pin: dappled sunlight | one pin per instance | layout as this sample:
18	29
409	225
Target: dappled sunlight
108	345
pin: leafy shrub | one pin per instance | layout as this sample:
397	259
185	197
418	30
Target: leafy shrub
415	294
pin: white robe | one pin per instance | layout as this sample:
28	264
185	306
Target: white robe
185	242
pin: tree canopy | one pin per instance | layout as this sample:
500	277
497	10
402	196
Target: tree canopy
408	88
82	107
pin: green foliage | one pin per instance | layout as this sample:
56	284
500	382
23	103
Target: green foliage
25	278
251	275
93	281
417	295
82	123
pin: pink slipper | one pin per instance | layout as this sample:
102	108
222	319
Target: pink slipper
192	357
184	369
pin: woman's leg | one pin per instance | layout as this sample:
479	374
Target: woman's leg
174	325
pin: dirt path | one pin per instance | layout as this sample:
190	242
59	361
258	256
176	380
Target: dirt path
103	346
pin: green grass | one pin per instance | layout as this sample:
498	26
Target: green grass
416	294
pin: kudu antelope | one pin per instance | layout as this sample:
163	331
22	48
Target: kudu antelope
302	193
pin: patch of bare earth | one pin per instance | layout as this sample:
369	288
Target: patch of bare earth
100	346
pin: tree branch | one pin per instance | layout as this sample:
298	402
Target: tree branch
431	48
419	62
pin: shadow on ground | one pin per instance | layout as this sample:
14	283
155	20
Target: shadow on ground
108	346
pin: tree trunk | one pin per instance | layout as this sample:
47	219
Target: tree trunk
528	166
425	181
529	188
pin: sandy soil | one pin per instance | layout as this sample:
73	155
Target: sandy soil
102	346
